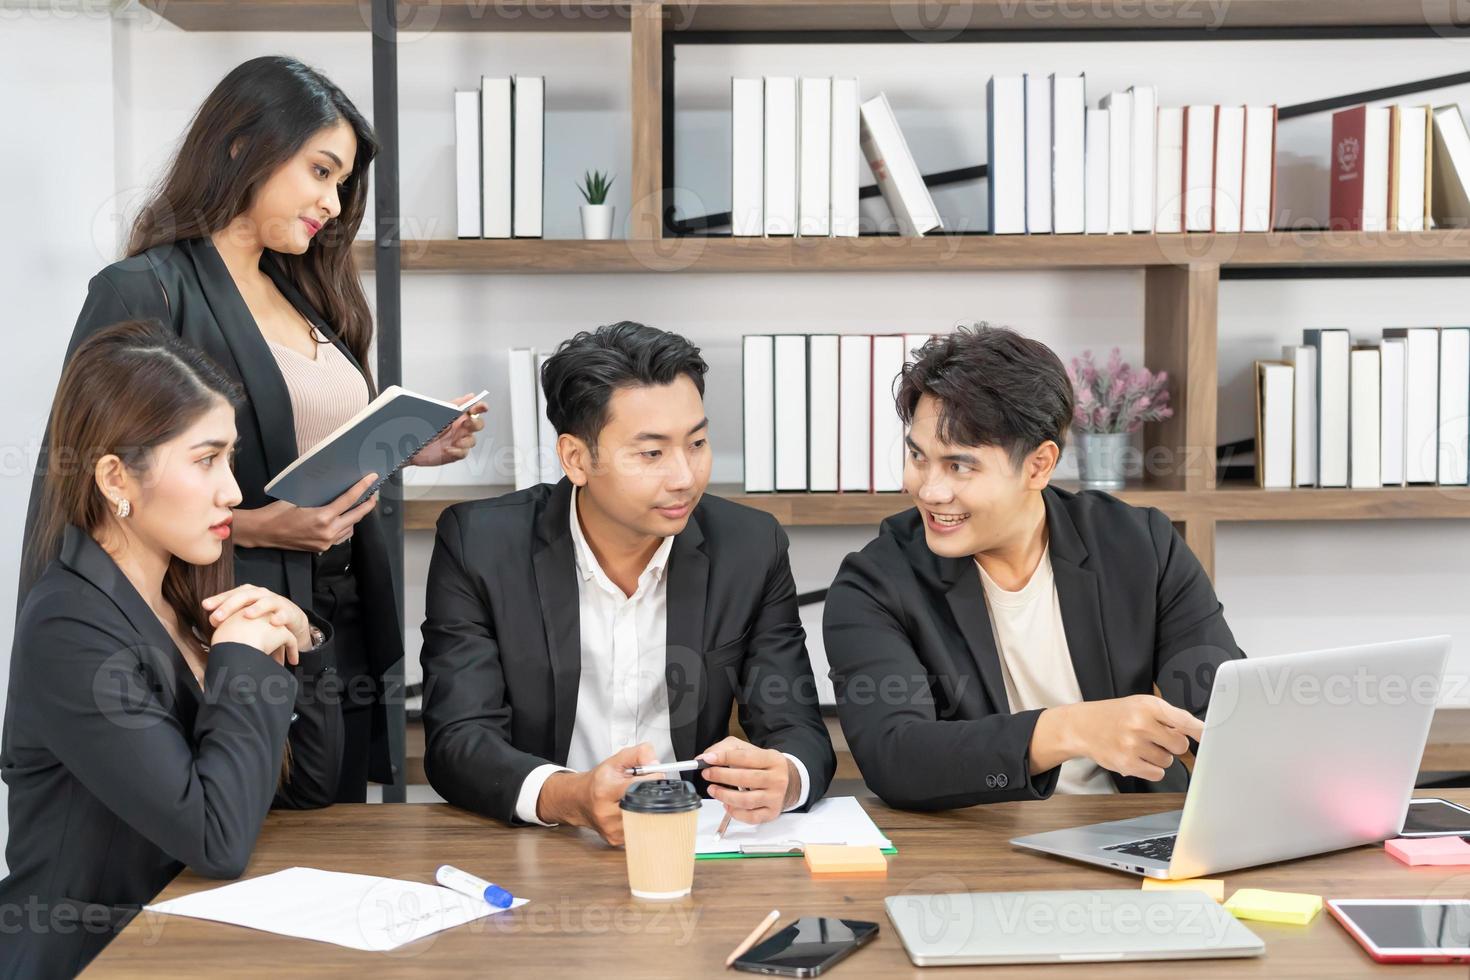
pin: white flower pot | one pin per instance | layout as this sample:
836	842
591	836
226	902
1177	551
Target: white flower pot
597	220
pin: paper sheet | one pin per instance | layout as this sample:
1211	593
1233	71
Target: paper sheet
835	820
357	911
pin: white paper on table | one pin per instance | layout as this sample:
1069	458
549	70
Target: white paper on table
835	820
357	911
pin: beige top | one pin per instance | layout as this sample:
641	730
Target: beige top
325	391
1036	662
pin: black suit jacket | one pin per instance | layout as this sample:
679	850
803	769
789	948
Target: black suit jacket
918	678
187	288
122	771
502	649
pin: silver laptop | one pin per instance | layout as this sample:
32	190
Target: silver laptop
986	928
1301	754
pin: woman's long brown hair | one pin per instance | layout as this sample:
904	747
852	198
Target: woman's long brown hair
258	117
126	391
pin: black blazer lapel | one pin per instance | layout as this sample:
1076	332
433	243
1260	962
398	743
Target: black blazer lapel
967	603
556	585
83	555
1077	593
684	675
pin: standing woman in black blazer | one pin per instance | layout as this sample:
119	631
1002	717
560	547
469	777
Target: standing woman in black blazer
246	252
150	704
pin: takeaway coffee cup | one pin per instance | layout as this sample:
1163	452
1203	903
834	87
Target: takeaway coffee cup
659	821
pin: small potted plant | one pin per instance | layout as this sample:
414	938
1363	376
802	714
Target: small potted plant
597	214
1112	403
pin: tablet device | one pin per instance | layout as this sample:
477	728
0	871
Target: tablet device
1407	930
1435	818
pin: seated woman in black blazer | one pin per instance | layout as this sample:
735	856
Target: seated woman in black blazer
150	704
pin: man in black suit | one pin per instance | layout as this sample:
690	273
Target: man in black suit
1002	640
611	620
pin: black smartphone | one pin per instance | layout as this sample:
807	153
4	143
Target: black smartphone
807	947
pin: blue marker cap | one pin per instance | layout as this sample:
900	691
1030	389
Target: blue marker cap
498	897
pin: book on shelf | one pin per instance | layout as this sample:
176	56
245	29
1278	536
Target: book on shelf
758	370
1199	167
1303	358
467	164
1421	402
1392	359
1333	399
790	398
1169	171
888	445
846	155
1037	127
1450	169
529	152
1144	101
1274	400
747	160
1120	157
855	414
1095	203
814	158
1258	195
780	205
524	429
824	400
1229	167
1365	468
1454	406
549	462
496	139
1069	153
898	177
1005	138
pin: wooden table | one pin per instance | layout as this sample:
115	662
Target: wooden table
581	919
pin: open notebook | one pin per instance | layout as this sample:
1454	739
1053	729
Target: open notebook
835	820
380	439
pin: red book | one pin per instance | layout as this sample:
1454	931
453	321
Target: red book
1359	169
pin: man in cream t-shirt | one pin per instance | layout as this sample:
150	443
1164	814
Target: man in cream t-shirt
1003	639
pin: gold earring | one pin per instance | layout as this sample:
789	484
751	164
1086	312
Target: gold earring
124	507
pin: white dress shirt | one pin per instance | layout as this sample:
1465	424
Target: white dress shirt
1036	661
622	695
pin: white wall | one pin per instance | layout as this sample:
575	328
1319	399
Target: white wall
96	105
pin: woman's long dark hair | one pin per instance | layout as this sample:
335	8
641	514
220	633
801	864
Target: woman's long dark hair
265	111
126	391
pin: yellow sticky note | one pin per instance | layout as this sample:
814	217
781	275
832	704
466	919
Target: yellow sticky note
839	859
1292	908
1213	887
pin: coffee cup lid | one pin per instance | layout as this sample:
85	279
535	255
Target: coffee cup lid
660	796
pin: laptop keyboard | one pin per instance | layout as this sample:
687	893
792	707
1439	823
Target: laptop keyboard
1155	848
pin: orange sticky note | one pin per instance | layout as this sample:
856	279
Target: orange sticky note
1213	887
1429	850
840	859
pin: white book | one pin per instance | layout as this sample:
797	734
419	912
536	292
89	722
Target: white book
1454	405
1142	156
1258	205
1229	167
1450	173
1169	171
1304	463
1376	132
1273	423
781	156
758	393
1120	161
1391	394
846	153
888	446
1421	402
523	425
496	143
1038	154
1333	400
529	151
467	164
791	421
550	463
1199	168
1069	153
1095	202
814	158
1413	149
747	156
855	414
898	176
1365	466
823	408
1005	138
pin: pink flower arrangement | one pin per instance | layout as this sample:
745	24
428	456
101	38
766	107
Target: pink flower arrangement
1116	398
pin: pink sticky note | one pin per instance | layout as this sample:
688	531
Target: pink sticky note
1429	850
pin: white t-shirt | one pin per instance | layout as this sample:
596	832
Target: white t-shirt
1036	663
